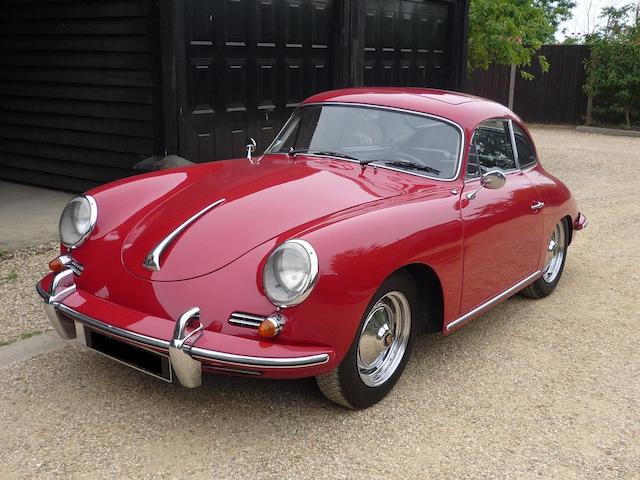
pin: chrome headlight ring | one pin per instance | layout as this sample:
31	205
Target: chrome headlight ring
77	221
290	273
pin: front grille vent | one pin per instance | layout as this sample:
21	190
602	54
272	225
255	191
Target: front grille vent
245	320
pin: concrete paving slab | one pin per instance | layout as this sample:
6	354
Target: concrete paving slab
46	342
616	132
29	215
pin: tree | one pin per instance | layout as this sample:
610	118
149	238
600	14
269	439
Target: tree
509	32
556	12
616	22
613	70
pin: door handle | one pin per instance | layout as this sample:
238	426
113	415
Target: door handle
537	206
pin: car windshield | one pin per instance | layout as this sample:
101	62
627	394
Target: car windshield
401	140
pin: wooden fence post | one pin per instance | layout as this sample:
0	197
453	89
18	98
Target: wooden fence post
512	86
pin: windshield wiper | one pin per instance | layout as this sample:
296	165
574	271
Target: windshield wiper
327	153
400	163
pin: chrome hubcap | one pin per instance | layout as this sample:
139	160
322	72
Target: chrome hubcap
383	339
555	254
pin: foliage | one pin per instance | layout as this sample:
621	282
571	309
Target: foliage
12	276
572	41
613	70
509	32
556	12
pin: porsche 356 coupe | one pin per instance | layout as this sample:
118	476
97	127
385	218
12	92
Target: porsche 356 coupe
375	214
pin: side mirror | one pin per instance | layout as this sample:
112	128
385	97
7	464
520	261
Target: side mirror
251	147
492	180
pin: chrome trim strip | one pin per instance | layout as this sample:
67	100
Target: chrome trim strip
493	301
514	148
227	358
119	332
246	320
248	316
244	323
152	261
261	362
382	107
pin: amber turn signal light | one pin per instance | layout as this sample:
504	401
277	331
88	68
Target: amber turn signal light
270	326
56	265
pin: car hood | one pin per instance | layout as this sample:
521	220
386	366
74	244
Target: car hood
261	202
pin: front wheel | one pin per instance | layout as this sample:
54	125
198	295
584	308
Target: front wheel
553	265
380	349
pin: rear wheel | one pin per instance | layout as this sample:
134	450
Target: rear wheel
380	349
553	265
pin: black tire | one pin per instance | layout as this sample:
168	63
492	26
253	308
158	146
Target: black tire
543	287
344	385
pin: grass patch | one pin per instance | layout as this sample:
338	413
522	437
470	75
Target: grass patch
12	277
3	253
22	336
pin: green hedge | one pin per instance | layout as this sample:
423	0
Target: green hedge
613	80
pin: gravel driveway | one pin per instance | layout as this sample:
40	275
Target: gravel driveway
533	389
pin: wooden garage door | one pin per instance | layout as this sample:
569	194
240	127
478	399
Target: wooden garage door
247	64
407	43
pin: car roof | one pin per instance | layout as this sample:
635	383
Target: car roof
464	109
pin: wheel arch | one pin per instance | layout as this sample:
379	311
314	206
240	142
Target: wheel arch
569	225
430	296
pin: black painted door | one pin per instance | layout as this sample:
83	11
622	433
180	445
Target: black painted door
407	43
248	65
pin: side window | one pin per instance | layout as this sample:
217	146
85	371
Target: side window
473	168
493	146
526	153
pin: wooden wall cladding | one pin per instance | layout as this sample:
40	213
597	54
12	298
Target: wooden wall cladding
76	90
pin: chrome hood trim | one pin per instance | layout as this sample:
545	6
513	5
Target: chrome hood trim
152	260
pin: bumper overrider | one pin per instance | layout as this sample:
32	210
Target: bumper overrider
187	344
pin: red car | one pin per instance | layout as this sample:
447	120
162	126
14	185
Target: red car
375	214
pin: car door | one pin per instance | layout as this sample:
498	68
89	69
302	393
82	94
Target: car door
502	232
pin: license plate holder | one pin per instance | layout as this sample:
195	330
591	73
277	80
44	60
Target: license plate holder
152	363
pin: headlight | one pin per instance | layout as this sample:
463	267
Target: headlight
290	273
77	220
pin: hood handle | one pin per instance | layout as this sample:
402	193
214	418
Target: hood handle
152	260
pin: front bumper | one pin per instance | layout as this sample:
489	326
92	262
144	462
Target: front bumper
191	349
580	223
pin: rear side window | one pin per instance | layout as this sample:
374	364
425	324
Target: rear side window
490	149
526	153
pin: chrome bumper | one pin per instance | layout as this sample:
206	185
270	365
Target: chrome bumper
186	359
